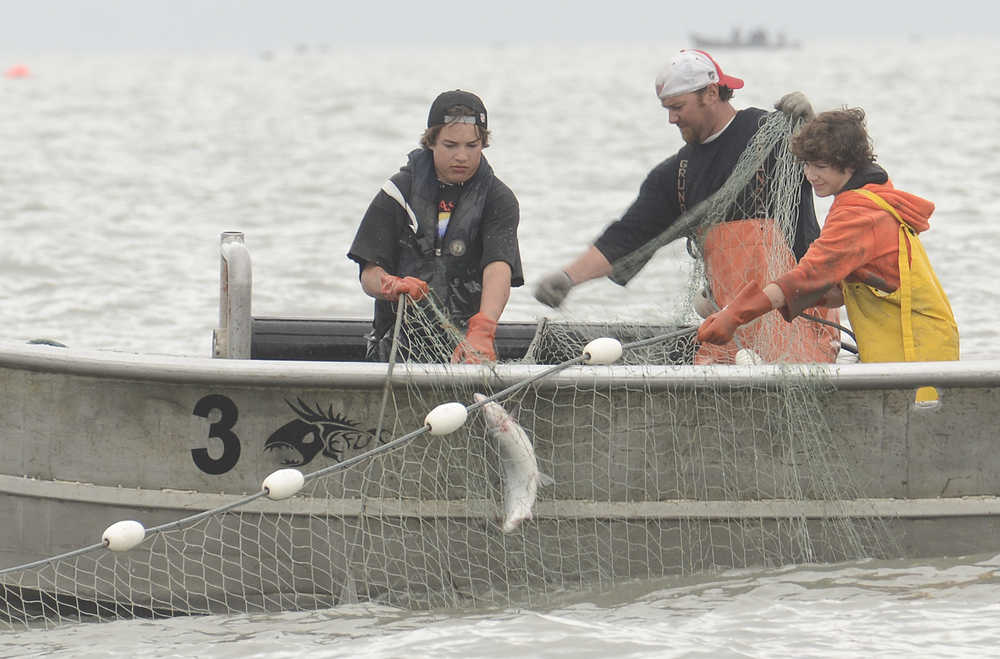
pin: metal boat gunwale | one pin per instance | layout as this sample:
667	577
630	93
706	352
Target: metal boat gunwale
205	370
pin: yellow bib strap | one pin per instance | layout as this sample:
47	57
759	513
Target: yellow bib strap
905	290
905	281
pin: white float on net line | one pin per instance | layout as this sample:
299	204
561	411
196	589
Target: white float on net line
703	304
123	535
747	357
283	483
603	350
446	418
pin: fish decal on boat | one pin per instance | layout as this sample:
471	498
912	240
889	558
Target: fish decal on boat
315	431
518	465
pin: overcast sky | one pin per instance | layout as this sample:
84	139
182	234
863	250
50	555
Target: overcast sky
31	26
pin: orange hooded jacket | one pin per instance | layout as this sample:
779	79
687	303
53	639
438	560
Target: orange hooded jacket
858	242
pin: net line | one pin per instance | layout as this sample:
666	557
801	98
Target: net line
532	567
767	156
650	479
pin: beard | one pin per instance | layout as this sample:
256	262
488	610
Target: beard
689	133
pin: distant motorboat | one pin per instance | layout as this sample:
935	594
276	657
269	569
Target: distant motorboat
757	38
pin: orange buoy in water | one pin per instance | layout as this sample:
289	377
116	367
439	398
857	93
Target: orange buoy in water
17	71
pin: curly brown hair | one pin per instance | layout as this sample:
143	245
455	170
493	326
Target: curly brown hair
429	138
837	137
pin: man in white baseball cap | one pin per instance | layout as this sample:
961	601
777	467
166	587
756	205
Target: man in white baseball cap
689	71
696	94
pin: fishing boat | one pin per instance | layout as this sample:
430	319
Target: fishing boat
756	39
657	469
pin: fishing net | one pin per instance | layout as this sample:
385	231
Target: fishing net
657	468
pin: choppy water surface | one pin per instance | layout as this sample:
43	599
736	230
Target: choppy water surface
120	172
941	609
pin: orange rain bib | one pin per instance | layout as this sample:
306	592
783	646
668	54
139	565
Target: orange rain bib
742	251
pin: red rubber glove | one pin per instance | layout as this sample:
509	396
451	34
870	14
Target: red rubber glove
477	346
750	303
393	287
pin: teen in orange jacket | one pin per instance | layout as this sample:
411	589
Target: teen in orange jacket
867	256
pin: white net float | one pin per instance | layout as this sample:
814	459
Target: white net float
124	535
746	357
446	418
283	483
703	305
604	350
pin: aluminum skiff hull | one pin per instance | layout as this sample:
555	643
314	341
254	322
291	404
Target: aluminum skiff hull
88	438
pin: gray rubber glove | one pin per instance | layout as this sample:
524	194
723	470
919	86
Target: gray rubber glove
553	288
795	105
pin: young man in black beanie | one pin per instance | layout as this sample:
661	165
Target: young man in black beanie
443	225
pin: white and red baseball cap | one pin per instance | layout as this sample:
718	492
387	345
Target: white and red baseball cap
689	71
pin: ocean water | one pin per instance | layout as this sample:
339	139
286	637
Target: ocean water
119	173
945	608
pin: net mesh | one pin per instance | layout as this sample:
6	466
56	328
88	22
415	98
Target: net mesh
649	478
